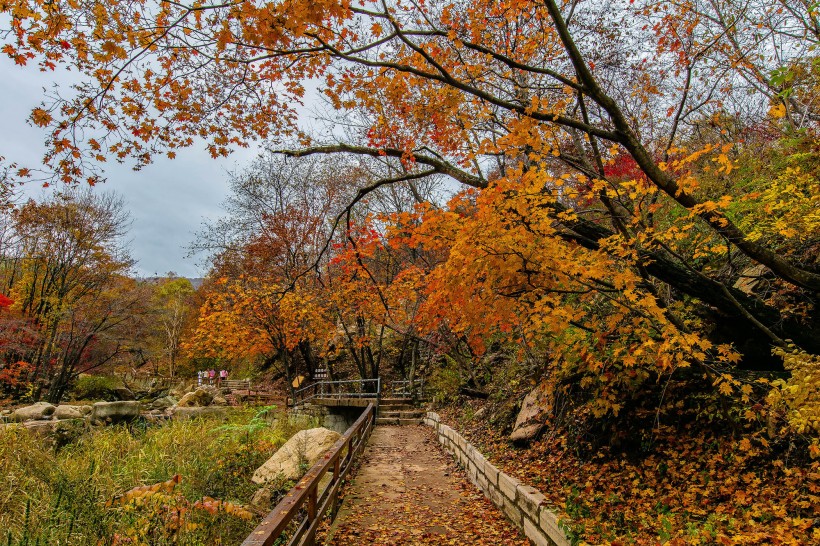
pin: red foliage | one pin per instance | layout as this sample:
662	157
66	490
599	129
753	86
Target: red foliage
5	301
624	168
13	375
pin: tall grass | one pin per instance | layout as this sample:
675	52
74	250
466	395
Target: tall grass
58	497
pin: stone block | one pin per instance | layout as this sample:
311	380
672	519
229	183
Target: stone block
472	469
508	486
462	443
496	497
479	459
535	534
530	500
491	472
470	451
548	521
482	483
513	514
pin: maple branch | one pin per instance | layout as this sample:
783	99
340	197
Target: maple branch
107	87
549	117
439	166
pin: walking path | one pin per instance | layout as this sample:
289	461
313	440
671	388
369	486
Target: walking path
409	492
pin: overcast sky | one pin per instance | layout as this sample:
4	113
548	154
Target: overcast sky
168	200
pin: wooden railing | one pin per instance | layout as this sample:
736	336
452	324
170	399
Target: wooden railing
305	500
236	384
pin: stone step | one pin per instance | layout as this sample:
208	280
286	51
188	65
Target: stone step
404	407
403	414
395	401
396	421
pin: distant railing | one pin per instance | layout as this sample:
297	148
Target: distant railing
354	388
237	384
306	499
407	388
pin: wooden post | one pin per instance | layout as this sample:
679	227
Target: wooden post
310	540
334	503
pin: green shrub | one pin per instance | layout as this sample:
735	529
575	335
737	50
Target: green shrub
95	387
445	381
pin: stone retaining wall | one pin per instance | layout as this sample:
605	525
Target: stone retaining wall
525	506
333	418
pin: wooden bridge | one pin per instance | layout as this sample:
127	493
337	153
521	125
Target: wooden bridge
300	512
356	392
407	491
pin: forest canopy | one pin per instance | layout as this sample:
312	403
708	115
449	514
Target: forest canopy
640	177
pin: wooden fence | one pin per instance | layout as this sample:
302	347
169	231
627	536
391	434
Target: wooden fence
303	508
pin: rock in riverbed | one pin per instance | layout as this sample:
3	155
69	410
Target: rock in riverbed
114	412
300	452
38	411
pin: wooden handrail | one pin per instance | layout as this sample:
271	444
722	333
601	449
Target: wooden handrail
305	494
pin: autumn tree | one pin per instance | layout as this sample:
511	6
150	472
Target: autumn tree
174	306
449	89
267	255
65	273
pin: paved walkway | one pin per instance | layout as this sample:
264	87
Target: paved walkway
408	492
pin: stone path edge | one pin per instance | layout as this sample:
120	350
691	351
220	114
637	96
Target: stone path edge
524	505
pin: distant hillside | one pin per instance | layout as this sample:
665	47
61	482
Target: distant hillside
196	282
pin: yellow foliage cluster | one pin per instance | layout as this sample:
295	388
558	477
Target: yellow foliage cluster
791	204
799	395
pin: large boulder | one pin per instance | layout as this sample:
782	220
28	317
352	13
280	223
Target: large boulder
124	393
53	433
535	410
198	412
38	411
262	499
198	398
182	388
65	411
41	427
298	454
114	412
162	403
